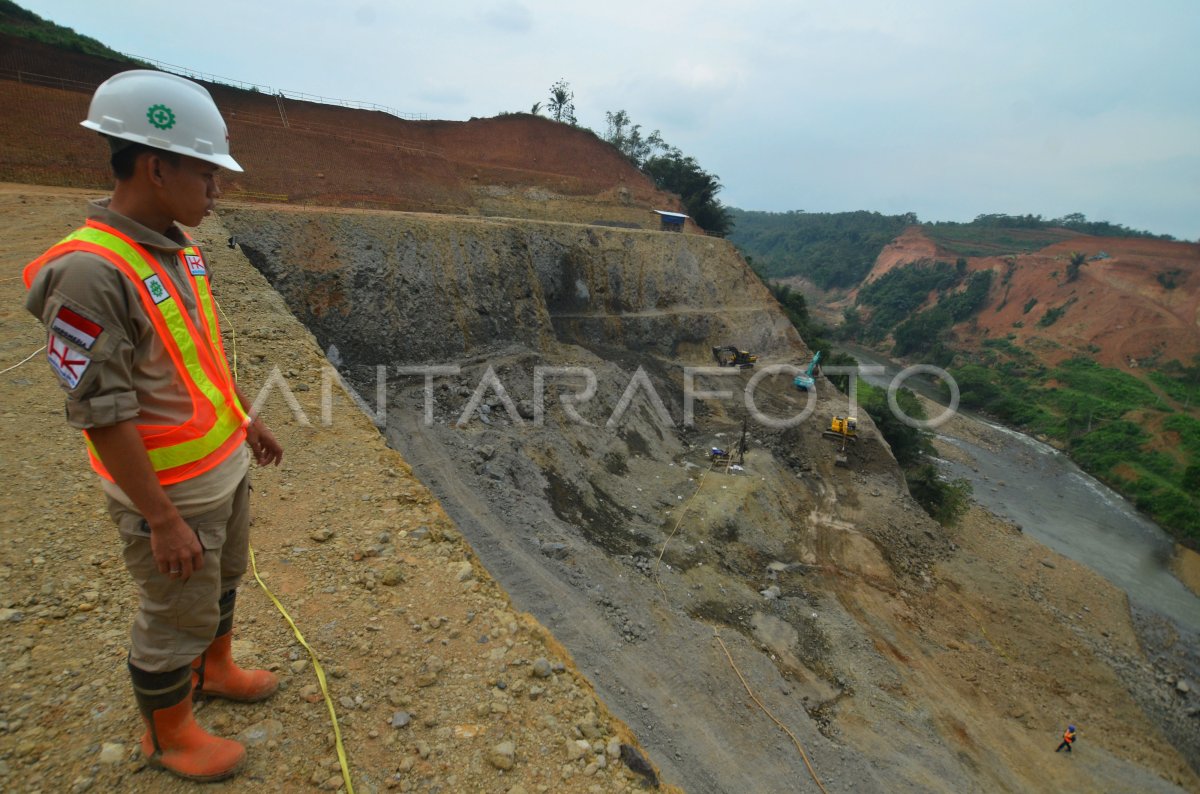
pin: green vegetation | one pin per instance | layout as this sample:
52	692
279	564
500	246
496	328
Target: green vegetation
1182	384
672	171
562	103
895	297
675	172
1171	278
629	140
999	234
944	500
16	21
1078	260
831	249
813	334
1140	435
968	240
1112	424
1053	314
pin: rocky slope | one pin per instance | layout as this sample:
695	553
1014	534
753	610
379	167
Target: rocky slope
438	682
1136	300
885	643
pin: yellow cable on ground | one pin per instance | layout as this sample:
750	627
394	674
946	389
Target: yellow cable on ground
337	732
679	521
767	711
732	664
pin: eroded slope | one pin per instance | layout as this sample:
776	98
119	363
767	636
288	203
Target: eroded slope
853	617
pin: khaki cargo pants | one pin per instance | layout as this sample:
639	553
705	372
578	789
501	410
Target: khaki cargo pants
178	619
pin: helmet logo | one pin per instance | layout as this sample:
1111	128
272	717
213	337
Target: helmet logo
160	116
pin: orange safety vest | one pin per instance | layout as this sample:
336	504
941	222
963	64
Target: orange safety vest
1068	736
218	423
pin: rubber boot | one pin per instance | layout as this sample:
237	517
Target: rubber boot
214	672
173	740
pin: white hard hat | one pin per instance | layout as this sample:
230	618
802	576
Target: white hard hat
163	111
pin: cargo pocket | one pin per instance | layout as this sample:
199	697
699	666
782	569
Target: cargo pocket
210	527
195	610
211	535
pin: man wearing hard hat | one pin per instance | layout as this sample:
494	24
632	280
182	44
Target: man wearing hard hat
134	340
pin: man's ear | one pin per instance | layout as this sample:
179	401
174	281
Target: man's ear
153	165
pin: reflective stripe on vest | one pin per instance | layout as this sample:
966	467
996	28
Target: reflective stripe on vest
217	424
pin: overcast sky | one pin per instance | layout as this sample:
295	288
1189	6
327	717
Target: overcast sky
946	108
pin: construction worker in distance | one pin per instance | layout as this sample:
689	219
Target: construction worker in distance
1068	738
134	340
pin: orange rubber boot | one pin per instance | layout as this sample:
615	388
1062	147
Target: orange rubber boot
173	739
214	673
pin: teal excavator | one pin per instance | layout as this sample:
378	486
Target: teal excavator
804	380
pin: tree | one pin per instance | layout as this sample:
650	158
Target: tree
628	139
536	110
1078	260
695	187
562	102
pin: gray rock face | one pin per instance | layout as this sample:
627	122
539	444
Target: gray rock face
397	290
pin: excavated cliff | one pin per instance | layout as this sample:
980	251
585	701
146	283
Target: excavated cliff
392	288
541	379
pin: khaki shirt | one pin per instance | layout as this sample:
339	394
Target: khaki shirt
116	366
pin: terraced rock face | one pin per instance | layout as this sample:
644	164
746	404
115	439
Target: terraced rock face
399	289
554	434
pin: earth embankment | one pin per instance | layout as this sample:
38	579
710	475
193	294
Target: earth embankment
438	682
895	650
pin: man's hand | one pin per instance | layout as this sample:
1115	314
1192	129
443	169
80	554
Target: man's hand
263	444
177	550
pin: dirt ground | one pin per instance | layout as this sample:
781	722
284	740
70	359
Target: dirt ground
958	674
1186	565
1137	303
438	683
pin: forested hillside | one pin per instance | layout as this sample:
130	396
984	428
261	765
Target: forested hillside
831	249
1081	331
836	250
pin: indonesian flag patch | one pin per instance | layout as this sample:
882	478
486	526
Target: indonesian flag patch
75	328
195	264
66	363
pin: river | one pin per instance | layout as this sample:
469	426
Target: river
1053	500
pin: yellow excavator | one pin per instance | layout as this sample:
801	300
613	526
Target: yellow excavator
846	429
730	356
843	427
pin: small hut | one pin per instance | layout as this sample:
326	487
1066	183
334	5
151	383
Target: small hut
671	221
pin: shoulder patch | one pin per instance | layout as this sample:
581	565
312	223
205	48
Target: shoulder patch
157	291
74	327
68	364
195	264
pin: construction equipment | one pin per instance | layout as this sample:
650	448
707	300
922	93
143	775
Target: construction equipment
730	356
846	429
843	428
804	381
723	459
